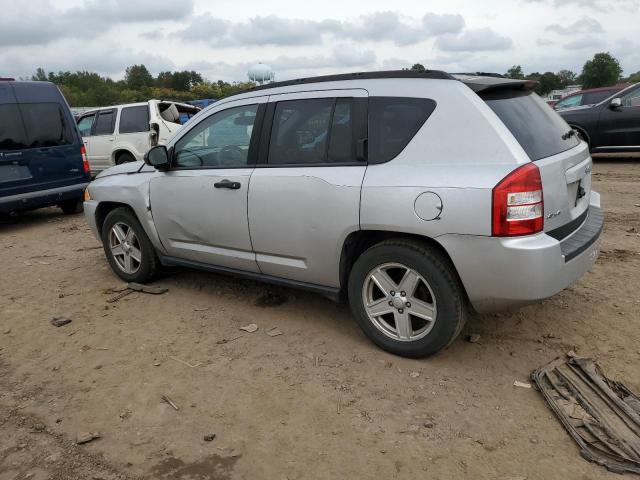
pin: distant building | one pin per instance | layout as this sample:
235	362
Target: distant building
555	95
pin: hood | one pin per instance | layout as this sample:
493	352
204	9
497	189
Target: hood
126	168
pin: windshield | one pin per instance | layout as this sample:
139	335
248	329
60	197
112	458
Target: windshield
540	131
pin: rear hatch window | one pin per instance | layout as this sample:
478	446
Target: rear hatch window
33	125
540	130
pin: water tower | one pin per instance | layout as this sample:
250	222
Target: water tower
261	74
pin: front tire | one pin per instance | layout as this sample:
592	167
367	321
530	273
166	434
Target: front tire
407	298
128	248
70	207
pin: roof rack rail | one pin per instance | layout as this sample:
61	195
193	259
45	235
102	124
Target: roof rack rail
430	74
481	74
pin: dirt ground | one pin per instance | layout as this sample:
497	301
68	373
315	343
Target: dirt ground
319	401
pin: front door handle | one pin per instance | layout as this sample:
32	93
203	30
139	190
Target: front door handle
227	184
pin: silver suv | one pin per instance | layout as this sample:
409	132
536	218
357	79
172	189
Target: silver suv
420	196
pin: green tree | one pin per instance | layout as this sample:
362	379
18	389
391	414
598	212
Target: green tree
633	78
137	77
418	67
548	81
515	72
40	75
567	77
601	71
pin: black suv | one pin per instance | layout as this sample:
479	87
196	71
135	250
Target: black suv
612	125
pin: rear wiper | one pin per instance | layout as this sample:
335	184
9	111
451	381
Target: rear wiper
568	135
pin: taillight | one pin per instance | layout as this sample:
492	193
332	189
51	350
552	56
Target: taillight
85	162
518	205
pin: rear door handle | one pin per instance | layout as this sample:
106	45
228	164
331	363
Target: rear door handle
227	184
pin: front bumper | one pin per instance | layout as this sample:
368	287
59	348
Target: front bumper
503	273
90	207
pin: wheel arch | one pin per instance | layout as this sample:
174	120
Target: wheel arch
104	208
359	241
119	150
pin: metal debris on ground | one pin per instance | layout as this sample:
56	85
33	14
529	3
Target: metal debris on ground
60	321
274	332
209	437
602	415
138	287
252	327
414	374
135	287
185	363
520	384
86	437
170	402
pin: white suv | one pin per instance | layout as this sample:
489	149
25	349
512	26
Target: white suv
123	133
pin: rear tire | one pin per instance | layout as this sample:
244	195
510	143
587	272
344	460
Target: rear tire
70	207
397	321
125	157
128	248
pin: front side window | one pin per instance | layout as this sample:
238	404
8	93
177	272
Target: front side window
85	123
134	119
393	122
12	133
104	123
572	101
312	131
220	140
631	99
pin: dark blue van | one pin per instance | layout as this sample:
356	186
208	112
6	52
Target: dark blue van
42	157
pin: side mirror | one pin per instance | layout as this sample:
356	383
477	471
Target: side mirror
155	133
157	157
615	103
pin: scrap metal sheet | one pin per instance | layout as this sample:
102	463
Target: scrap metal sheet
601	415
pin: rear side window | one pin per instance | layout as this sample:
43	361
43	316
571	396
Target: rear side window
539	130
12	134
312	131
33	125
393	122
134	119
104	123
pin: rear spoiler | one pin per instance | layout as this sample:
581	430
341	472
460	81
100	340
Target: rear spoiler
489	84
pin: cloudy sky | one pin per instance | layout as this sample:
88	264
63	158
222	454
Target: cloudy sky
222	38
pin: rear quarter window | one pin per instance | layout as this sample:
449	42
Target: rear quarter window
393	122
134	119
537	128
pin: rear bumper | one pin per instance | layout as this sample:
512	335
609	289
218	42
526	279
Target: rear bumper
503	273
42	198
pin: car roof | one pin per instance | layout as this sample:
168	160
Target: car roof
477	82
32	91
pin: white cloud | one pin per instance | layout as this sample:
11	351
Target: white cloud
482	39
583	25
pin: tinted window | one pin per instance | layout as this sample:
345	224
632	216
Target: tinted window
134	119
300	130
220	140
46	124
591	98
572	101
85	124
393	122
341	144
631	99
537	128
104	123
12	134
